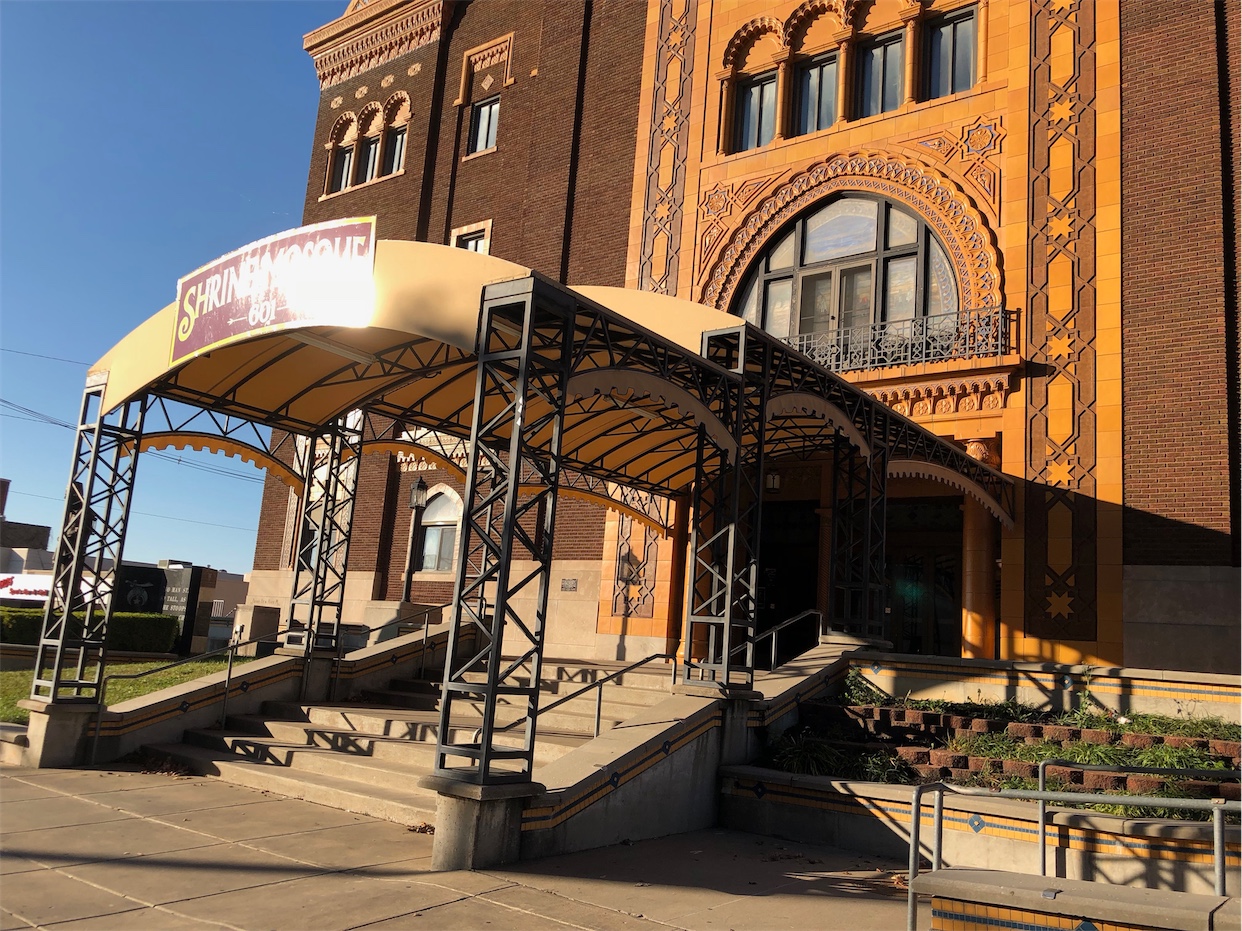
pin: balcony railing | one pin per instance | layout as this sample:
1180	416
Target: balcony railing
972	334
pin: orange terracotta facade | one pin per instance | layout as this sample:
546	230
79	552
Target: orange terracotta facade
1048	77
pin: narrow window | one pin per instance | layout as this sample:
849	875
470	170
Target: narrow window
342	168
951	55
755	117
483	120
879	72
817	95
439	533
368	159
394	150
473	242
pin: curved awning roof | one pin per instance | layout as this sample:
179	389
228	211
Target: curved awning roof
638	393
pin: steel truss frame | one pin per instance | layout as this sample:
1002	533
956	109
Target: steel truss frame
655	510
725	522
857	598
523	371
330	463
72	647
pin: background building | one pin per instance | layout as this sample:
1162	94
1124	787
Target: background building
1015	222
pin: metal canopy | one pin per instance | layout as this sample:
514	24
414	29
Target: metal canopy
529	388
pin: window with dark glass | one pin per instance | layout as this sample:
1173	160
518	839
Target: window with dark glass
950	54
817	94
483	119
368	159
879	75
439	533
853	271
755	113
342	168
473	242
394	150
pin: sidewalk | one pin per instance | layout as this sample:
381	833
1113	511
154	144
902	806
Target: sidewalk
108	848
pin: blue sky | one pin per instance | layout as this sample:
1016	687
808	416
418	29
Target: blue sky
138	141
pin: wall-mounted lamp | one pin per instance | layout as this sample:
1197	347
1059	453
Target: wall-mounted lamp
418	503
772	482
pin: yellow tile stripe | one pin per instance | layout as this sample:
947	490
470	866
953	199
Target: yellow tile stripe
544	818
1019	829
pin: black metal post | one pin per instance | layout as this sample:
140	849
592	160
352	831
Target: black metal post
418	504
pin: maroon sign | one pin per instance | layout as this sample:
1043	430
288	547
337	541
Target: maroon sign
318	274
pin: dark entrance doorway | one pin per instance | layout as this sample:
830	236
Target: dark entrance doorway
924	574
788	575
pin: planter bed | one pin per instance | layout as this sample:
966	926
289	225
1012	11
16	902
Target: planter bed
923	745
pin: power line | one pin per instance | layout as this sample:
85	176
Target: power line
39	355
39	417
184	520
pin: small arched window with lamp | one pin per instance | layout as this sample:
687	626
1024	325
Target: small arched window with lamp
855	282
439	533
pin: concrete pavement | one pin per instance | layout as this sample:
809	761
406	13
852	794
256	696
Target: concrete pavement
115	848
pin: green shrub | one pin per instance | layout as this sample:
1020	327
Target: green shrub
128	631
856	690
20	625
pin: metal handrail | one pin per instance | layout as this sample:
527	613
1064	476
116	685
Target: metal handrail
1105	768
773	631
397	622
1218	808
598	684
231	650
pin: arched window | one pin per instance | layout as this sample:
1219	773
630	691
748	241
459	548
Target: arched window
396	118
856	282
440	533
341	144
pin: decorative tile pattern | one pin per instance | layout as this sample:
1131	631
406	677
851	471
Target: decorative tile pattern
668	147
1060	512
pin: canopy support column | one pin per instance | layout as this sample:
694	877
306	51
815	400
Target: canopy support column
330	463
525	353
858	541
725	524
69	664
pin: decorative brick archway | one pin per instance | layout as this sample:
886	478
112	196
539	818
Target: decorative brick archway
962	229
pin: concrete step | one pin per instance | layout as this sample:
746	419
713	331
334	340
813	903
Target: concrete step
548	746
564	675
360	767
413	692
405	805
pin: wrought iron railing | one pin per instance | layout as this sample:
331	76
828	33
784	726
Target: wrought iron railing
971	334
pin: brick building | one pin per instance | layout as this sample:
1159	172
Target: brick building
1014	222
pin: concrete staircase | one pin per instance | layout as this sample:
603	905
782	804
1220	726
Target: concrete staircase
367	755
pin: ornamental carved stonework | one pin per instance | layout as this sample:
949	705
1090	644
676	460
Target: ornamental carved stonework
1061	555
370	36
717	205
946	396
969	151
957	222
786	33
668	146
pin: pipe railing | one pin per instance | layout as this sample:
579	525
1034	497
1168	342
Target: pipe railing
598	685
1217	807
230	650
1105	768
398	622
774	632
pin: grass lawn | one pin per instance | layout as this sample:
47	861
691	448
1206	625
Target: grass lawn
15	683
